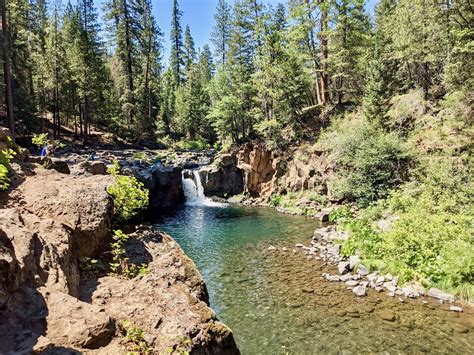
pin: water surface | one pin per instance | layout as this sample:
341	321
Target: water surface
276	302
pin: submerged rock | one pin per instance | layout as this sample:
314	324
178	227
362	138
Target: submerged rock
455	309
440	295
360	291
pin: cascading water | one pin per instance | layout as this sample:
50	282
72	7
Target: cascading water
194	191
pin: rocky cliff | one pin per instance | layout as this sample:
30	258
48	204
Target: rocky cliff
49	221
260	171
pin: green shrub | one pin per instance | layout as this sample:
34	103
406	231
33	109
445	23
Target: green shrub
5	157
197	145
275	200
369	161
432	239
119	264
129	195
134	336
141	156
40	140
341	213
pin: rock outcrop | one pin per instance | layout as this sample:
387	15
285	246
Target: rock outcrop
223	178
265	171
170	301
48	223
164	184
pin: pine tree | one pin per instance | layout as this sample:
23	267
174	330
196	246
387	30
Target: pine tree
189	50
206	65
348	44
39	23
222	30
176	38
6	68
149	43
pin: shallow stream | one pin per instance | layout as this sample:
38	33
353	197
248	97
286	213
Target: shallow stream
276	302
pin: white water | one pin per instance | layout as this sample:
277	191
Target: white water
194	192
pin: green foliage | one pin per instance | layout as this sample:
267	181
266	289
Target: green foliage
340	214
140	156
129	195
134	336
432	239
119	264
6	156
197	145
275	200
40	140
183	347
91	265
369	161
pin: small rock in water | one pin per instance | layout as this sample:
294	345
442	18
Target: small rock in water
388	316
352	283
391	294
284	249
401	300
343	267
455	309
390	286
440	295
308	290
345	277
271	248
299	245
359	291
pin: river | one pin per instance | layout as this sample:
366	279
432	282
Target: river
276	301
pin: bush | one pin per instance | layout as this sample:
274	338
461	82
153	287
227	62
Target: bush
40	140
340	214
432	239
129	195
197	145
275	200
369	161
6	156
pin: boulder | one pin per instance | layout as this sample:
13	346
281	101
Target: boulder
323	216
59	165
94	167
354	260
343	267
440	295
164	184
360	291
223	179
76	323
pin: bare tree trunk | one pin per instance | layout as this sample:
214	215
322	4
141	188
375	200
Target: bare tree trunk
324	52
6	70
128	44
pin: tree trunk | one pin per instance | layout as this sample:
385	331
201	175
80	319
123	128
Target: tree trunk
6	70
128	44
324	52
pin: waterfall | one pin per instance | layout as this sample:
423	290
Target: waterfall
194	191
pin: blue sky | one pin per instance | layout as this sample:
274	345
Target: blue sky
199	15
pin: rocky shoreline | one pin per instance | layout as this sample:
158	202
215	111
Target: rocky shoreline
357	277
